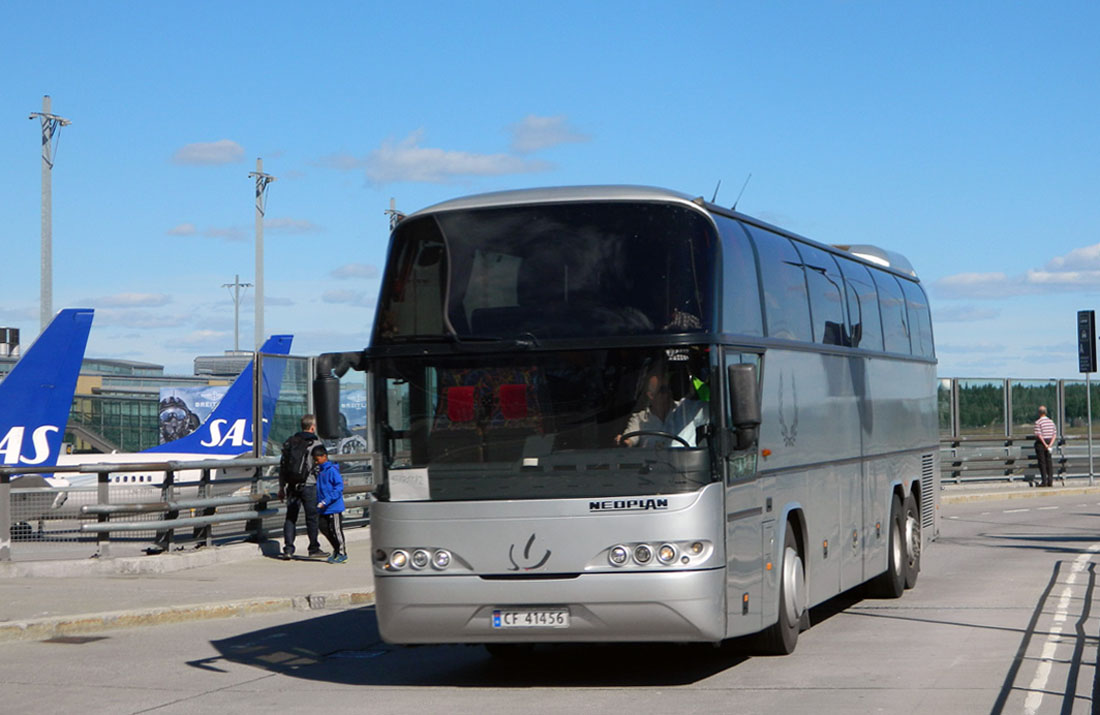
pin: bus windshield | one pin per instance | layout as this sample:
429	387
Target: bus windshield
577	423
593	269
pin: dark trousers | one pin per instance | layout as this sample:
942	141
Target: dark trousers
1046	465
304	497
332	526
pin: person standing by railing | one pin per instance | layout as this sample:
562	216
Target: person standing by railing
1045	434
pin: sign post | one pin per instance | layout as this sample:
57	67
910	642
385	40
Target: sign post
1086	363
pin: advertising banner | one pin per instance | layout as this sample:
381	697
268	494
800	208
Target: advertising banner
183	409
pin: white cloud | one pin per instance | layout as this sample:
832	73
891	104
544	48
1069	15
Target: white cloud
976	285
291	225
534	133
1077	271
183	229
1079	259
355	270
963	314
122	318
200	340
230	234
349	297
409	161
223	151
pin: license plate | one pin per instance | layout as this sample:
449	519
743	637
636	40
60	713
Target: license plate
531	618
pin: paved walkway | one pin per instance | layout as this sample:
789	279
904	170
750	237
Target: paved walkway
51	598
39	600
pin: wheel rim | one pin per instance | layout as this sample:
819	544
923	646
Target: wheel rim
794	585
912	537
896	546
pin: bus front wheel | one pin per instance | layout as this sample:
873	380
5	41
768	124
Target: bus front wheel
782	636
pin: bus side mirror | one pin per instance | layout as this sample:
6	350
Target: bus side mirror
326	406
744	403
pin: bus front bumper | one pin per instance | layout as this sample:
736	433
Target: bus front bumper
678	606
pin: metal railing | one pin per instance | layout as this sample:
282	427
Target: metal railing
239	504
1012	459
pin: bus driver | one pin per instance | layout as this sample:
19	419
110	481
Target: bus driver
664	415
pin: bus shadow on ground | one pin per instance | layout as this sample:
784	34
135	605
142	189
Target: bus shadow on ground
345	648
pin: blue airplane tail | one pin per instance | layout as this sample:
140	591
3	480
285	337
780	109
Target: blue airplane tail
228	429
37	395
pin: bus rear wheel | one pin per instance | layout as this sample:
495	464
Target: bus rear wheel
891	583
782	636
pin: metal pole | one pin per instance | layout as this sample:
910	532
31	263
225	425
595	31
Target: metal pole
50	124
1088	408
236	285
262	180
45	299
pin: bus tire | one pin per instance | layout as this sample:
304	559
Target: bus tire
782	636
891	583
912	541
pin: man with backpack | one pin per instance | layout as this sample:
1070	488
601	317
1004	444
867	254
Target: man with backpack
298	486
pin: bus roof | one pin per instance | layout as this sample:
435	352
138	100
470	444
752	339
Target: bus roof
874	255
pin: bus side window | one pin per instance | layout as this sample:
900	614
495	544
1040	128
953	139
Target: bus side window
863	314
740	281
786	303
895	326
826	296
920	320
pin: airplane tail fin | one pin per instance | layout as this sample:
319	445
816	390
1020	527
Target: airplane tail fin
228	429
37	395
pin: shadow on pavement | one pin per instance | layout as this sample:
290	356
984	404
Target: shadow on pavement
345	648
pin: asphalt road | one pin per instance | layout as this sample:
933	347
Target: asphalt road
1002	620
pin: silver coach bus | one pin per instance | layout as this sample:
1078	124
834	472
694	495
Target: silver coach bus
624	414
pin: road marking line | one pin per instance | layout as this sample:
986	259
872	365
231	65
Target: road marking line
1042	673
1047	508
1014	511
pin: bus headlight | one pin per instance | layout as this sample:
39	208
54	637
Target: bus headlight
618	555
399	559
667	553
441	559
643	554
420	559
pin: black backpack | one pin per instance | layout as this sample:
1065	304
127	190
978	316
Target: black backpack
295	464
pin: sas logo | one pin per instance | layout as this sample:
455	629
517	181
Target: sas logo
11	446
237	435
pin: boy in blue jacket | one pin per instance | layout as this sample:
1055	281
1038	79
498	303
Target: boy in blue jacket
330	503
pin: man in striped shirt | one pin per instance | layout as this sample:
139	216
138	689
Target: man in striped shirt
1045	434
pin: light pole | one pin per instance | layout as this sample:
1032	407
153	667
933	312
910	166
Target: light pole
50	124
236	285
262	180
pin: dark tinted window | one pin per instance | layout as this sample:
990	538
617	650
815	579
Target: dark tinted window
863	316
786	305
826	296
920	320
550	271
741	286
895	325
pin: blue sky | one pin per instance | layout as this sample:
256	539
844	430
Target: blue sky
962	135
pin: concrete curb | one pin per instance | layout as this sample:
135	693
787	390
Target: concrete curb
83	624
960	496
135	565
